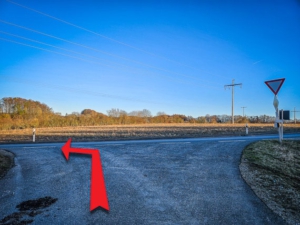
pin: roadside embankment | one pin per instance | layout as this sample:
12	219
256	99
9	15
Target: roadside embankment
272	170
6	162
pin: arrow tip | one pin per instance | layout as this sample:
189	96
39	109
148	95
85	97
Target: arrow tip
66	149
103	206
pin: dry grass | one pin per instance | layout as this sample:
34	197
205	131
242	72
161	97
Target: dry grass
6	162
273	172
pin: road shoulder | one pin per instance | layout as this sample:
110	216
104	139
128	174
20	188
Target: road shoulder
273	175
6	162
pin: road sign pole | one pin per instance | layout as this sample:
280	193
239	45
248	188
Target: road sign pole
232	105
275	86
277	123
281	125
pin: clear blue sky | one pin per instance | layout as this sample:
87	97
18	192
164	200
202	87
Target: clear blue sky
171	56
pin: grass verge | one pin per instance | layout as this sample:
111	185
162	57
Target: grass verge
272	170
6	162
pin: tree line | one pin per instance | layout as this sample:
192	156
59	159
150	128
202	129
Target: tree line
19	113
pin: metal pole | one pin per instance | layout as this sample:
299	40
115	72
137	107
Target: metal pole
232	106
277	123
243	110
282	125
279	132
295	121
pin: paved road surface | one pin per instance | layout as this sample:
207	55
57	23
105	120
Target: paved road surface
182	181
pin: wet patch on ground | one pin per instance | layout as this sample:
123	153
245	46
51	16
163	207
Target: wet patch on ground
27	211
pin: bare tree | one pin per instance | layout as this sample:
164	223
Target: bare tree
116	112
160	113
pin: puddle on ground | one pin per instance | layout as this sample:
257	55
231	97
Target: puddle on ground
28	210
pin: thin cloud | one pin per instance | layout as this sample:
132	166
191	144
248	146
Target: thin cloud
258	62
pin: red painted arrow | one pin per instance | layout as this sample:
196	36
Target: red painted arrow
98	191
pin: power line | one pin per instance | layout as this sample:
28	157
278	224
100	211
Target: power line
232	105
81	91
101	35
47	50
64	49
97	50
77	90
243	110
295	114
83	59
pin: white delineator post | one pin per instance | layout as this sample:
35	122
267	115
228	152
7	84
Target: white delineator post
33	135
246	128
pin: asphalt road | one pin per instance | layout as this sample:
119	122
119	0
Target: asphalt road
181	181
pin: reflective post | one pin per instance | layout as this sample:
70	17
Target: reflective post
33	135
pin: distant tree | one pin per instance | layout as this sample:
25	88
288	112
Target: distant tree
177	118
75	113
142	113
242	119
190	119
146	113
89	112
214	119
201	119
116	112
161	119
207	118
134	113
160	113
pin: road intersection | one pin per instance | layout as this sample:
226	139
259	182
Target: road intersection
176	181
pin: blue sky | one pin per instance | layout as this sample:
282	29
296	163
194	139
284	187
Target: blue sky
171	56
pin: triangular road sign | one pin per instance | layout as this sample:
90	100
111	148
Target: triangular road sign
275	85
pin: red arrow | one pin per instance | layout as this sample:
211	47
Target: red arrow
98	191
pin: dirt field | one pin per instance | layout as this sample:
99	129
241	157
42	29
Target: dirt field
128	132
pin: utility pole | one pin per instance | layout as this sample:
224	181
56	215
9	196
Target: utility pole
295	114
232	106
243	110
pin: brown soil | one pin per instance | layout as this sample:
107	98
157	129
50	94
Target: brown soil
129	132
272	170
